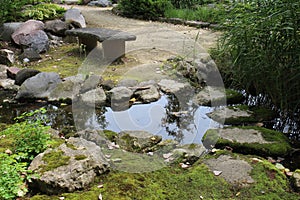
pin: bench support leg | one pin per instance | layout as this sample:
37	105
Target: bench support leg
89	42
113	49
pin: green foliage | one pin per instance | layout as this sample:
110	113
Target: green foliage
262	41
29	137
43	12
11	179
190	3
201	13
11	10
145	9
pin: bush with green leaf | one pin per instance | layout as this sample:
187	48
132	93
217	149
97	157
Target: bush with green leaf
29	136
262	41
144	9
43	12
12	177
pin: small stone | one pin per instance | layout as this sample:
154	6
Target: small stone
280	166
100	197
61	198
100	186
150	153
256	160
184	166
8	151
117	160
217	173
167	155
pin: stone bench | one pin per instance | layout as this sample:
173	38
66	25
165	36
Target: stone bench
113	41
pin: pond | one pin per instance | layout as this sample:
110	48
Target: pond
164	117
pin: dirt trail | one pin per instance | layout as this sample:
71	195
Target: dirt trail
155	42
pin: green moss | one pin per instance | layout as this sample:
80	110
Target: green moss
71	146
53	160
80	157
233	96
64	60
111	135
278	146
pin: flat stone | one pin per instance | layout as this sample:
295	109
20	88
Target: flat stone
172	86
234	171
249	140
210	95
7	57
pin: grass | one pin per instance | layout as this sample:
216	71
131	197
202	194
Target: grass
201	13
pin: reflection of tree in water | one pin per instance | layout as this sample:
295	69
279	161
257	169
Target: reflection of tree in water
179	116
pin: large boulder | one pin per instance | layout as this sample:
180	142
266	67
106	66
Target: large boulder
27	28
7	57
73	16
91	83
24	74
69	167
7	29
38	86
137	141
36	40
249	140
56	27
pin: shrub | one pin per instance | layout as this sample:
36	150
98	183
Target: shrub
262	41
29	136
11	179
145	9
43	12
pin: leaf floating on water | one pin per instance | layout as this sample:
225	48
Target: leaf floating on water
217	173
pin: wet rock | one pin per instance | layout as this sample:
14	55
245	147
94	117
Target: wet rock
148	95
56	27
211	95
241	115
100	3
73	16
24	74
119	98
66	92
189	153
235	171
91	83
7	57
127	83
30	54
137	141
7	29
38	86
25	29
249	140
12	72
94	97
76	166
296	180
108	84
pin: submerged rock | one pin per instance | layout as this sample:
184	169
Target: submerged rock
69	167
249	140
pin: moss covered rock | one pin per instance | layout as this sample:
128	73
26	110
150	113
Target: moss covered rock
241	114
249	140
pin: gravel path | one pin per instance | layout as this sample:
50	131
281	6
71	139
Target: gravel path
155	42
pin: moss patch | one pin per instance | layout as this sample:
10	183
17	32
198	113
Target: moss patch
53	160
176	183
278	145
80	157
110	135
64	60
